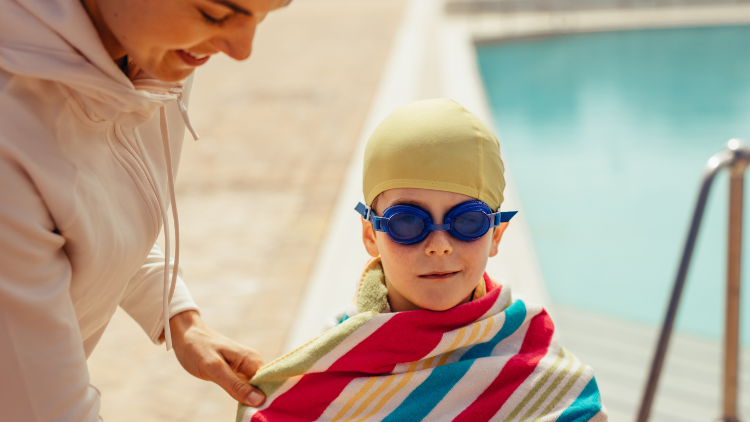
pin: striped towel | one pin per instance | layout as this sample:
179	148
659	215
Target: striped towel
489	359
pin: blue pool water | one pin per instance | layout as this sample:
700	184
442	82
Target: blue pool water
607	135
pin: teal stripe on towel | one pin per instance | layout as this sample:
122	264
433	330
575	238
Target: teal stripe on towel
442	379
586	406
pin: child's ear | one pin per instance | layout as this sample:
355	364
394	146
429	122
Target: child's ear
368	238
496	236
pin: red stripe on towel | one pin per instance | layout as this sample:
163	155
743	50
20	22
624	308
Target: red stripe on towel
306	400
514	373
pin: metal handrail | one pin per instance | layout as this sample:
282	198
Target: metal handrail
735	157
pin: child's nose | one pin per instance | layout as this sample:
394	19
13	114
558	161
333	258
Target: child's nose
438	243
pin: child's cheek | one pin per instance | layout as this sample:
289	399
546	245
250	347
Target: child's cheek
399	258
476	252
393	248
405	255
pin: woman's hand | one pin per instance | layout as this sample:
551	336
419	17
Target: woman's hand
211	356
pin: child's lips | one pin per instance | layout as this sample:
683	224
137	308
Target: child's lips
439	275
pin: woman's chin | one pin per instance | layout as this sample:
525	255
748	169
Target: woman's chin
175	75
169	72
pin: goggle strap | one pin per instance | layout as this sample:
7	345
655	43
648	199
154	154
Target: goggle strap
363	210
501	217
506	216
377	223
367	213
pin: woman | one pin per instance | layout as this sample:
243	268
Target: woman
92	116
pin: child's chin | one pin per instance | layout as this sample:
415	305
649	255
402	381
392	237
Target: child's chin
439	307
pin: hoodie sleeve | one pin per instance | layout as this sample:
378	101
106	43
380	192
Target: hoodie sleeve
43	369
142	299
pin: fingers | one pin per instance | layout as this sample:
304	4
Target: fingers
213	357
222	374
243	360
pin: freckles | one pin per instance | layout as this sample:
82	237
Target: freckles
481	244
473	252
405	253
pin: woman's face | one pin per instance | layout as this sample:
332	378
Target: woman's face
168	39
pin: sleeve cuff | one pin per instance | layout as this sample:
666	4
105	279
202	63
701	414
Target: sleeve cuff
181	301
144	303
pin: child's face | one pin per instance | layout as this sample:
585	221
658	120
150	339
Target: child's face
441	271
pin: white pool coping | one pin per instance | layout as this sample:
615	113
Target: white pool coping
491	27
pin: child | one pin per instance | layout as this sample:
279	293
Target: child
431	336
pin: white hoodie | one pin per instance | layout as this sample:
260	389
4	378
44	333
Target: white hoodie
84	189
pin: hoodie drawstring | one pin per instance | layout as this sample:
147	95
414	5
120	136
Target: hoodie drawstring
168	290
185	117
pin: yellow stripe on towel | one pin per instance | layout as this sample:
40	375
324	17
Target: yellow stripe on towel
558	379
352	401
487	329
475	328
537	386
428	363
474	333
407	376
562	392
386	383
459	336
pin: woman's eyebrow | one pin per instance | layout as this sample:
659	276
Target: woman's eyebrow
233	6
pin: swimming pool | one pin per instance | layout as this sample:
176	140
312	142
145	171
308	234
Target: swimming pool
606	135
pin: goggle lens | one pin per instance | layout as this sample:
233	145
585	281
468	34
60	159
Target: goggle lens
406	226
472	224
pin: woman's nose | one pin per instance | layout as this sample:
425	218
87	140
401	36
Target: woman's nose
438	243
237	42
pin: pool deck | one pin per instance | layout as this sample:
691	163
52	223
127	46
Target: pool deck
620	353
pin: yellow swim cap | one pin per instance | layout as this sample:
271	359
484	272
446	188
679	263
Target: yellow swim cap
434	144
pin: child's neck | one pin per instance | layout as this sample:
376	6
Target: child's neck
398	303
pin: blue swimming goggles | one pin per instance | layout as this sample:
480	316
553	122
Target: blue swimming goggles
410	224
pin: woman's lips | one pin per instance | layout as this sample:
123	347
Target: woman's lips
439	275
192	60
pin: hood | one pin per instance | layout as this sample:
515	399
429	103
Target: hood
55	40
